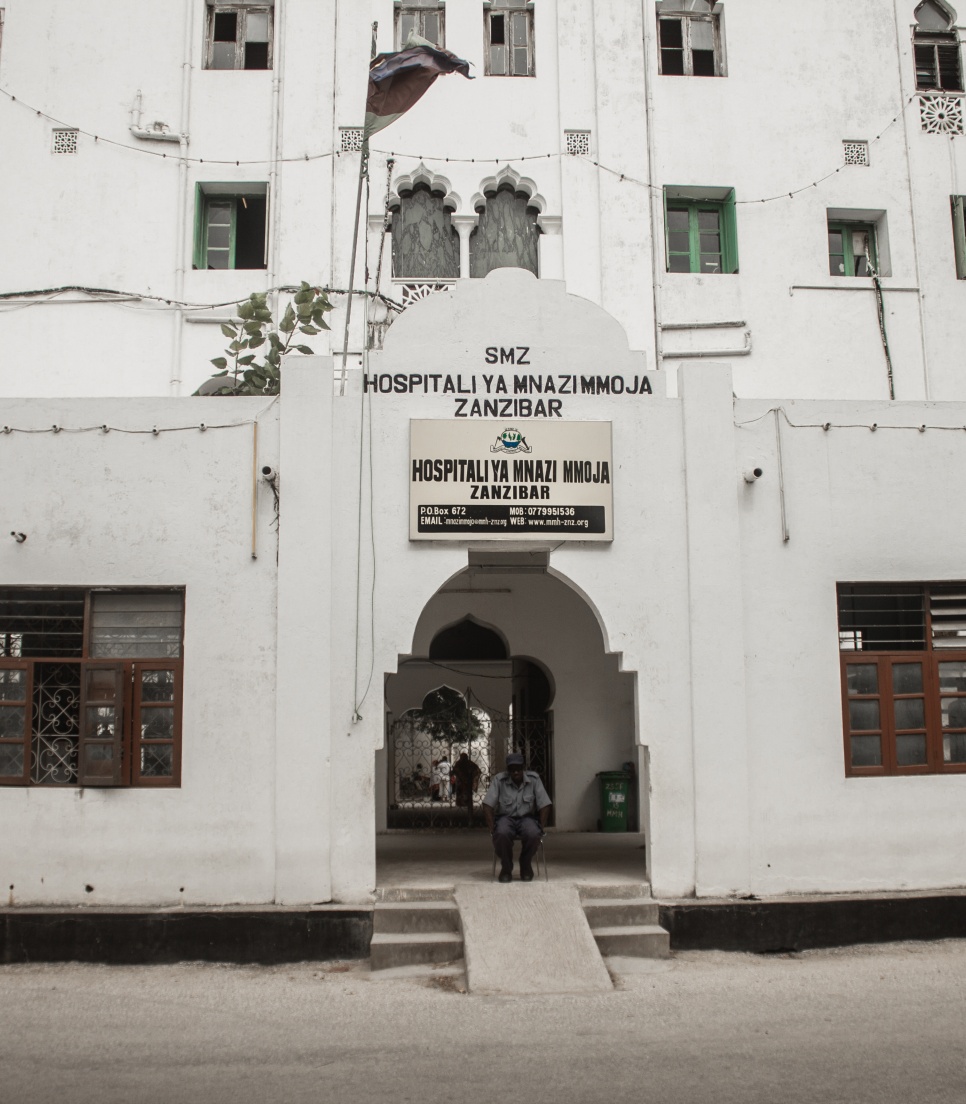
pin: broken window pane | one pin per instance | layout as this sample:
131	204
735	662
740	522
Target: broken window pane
225	27
497	30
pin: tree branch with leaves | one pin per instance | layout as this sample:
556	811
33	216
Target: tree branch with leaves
247	372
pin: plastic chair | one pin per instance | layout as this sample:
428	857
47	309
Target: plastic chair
540	855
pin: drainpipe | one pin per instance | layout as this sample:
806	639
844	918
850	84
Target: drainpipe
651	202
273	177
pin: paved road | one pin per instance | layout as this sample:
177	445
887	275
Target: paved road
875	1024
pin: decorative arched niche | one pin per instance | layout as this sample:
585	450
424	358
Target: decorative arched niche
425	243
508	208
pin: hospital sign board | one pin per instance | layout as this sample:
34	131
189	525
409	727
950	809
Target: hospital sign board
501	480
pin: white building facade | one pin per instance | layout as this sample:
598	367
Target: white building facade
739	263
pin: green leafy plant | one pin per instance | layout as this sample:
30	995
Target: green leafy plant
247	372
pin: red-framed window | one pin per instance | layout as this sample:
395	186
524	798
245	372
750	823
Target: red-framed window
90	686
903	667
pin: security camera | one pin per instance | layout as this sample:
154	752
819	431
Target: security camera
269	474
751	474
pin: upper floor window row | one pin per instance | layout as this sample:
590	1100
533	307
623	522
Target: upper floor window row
239	36
507	30
691	42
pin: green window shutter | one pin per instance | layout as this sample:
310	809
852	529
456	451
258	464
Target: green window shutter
959	234
729	234
198	257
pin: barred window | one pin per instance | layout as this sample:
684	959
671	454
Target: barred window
903	661
90	687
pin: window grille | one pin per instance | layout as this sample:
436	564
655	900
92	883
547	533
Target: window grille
577	142
903	660
90	687
856	153
64	141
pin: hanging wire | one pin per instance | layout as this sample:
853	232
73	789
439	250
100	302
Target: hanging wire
623	177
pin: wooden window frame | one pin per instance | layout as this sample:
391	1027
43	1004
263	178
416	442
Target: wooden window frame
507	10
126	739
242	11
419	13
23	702
686	20
727	231
885	660
932	71
847	229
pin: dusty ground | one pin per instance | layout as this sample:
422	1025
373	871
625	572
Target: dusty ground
884	1024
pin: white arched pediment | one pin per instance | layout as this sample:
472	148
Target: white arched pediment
519	183
436	182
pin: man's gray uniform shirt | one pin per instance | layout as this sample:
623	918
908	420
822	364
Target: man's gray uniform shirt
506	799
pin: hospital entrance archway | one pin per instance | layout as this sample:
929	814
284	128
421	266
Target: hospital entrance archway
507	655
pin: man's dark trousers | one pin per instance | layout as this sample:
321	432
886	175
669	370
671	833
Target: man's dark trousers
509	828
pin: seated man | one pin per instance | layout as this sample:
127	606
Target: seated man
516	806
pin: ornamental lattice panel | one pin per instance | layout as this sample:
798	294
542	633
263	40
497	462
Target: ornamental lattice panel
351	139
64	141
856	153
941	114
577	142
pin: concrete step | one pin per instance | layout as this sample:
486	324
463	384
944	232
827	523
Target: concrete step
590	890
415	916
390	949
613	912
634	941
414	893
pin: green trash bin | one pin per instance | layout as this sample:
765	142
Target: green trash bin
615	800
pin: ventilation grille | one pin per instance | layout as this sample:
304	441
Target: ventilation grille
351	138
577	142
856	153
64	141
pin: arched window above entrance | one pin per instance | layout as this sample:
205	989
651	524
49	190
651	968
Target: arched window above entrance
425	243
506	236
467	640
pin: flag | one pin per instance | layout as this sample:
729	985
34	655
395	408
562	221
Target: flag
397	81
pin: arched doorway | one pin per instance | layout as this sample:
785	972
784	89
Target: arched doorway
525	655
443	752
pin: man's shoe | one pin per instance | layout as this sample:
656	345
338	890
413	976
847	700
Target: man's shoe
505	876
526	875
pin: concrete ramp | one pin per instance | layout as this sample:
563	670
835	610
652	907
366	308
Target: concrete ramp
528	937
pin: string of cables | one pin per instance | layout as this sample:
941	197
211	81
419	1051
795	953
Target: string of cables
394	154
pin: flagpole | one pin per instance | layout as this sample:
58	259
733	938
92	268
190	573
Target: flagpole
363	173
